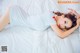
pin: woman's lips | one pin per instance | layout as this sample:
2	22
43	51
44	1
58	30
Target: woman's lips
59	25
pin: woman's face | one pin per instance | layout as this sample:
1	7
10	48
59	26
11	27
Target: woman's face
64	22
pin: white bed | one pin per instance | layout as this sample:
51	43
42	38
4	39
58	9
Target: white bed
20	39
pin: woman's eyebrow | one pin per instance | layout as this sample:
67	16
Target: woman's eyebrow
65	21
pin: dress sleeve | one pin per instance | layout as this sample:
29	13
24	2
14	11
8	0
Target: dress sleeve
48	20
17	16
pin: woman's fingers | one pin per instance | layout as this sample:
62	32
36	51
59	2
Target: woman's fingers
71	11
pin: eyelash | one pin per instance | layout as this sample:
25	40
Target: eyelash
65	21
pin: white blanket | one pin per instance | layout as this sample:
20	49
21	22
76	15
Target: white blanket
19	39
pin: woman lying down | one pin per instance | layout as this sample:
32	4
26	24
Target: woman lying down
61	23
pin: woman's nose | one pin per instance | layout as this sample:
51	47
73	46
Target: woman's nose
62	22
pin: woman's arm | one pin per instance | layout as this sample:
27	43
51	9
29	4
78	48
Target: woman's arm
4	20
63	34
79	20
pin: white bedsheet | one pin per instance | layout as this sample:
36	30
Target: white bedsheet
20	39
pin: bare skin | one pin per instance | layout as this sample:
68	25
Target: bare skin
63	34
72	11
4	20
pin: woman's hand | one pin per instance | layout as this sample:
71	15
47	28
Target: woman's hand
74	13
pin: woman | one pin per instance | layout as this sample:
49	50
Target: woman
59	22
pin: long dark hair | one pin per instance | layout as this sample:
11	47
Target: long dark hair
72	17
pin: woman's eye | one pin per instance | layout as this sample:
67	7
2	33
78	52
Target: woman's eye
65	21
